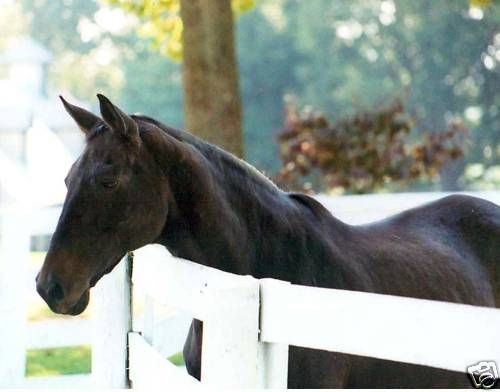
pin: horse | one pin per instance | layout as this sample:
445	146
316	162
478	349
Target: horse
139	182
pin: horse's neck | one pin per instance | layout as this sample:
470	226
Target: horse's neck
203	224
228	216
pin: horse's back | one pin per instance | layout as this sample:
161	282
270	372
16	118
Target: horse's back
459	211
459	235
446	250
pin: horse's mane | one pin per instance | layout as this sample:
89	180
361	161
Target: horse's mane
227	163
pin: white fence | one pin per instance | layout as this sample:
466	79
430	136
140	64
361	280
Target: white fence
249	323
17	225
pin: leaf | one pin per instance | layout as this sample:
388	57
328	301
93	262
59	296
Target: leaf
162	24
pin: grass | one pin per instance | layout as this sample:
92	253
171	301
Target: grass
58	361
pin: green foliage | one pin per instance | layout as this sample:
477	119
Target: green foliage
363	152
480	3
55	23
479	178
266	57
372	50
177	359
80	66
58	361
152	83
161	21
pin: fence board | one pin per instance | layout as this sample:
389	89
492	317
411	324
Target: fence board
58	333
178	282
432	333
111	324
230	336
150	371
74	381
273	357
168	332
14	251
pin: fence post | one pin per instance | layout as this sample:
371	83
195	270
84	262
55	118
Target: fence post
273	357
14	253
111	316
149	319
230	336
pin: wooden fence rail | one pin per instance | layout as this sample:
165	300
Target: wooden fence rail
417	331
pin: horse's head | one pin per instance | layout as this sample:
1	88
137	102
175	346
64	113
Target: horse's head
116	201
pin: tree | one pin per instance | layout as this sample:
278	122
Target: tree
202	34
212	103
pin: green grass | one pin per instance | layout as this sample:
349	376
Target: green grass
58	361
177	359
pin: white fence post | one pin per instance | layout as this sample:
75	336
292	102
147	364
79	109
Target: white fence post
111	316
273	357
149	319
230	336
14	253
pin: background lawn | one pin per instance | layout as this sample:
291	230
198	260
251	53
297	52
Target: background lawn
58	361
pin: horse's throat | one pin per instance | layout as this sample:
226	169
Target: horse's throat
207	245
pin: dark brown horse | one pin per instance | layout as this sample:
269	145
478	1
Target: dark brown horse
140	182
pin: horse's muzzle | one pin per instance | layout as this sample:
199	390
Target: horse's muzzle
53	293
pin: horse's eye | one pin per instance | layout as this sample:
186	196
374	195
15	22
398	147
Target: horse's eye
109	183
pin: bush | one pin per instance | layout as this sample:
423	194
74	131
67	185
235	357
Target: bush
364	152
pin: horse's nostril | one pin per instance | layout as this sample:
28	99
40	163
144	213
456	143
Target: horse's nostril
55	291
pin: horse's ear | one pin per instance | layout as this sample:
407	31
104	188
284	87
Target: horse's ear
117	120
83	118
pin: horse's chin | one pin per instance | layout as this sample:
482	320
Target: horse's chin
78	307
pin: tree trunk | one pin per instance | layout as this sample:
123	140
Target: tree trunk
210	74
226	105
196	84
